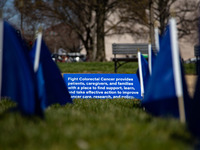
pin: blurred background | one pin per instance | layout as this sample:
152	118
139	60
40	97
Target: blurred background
84	30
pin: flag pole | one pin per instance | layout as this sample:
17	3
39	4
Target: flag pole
177	69
140	73
1	48
156	31
149	57
38	49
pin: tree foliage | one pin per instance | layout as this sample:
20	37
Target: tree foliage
92	20
30	17
77	14
184	12
132	18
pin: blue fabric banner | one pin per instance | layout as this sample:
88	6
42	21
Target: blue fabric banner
51	86
17	72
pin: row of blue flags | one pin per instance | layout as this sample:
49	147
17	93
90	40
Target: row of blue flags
33	91
165	89
162	100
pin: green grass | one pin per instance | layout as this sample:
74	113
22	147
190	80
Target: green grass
190	69
96	67
108	67
92	124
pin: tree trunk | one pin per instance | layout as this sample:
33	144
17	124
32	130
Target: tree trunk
90	50
163	15
151	23
88	44
89	54
100	20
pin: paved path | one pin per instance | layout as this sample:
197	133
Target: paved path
191	82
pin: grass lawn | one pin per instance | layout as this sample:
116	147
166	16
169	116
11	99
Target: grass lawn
96	67
190	68
108	67
92	124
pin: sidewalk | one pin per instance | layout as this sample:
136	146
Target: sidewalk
191	81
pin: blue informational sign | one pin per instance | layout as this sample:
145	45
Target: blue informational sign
103	86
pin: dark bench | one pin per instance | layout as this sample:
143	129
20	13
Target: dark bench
130	52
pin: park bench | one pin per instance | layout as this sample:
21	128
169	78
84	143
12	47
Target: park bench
130	52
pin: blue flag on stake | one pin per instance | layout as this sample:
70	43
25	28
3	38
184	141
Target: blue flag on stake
143	72
161	97
37	67
17	73
51	86
157	39
151	58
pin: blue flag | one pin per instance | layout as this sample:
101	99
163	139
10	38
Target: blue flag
142	72
194	118
152	58
145	71
160	97
51	86
17	73
161	37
